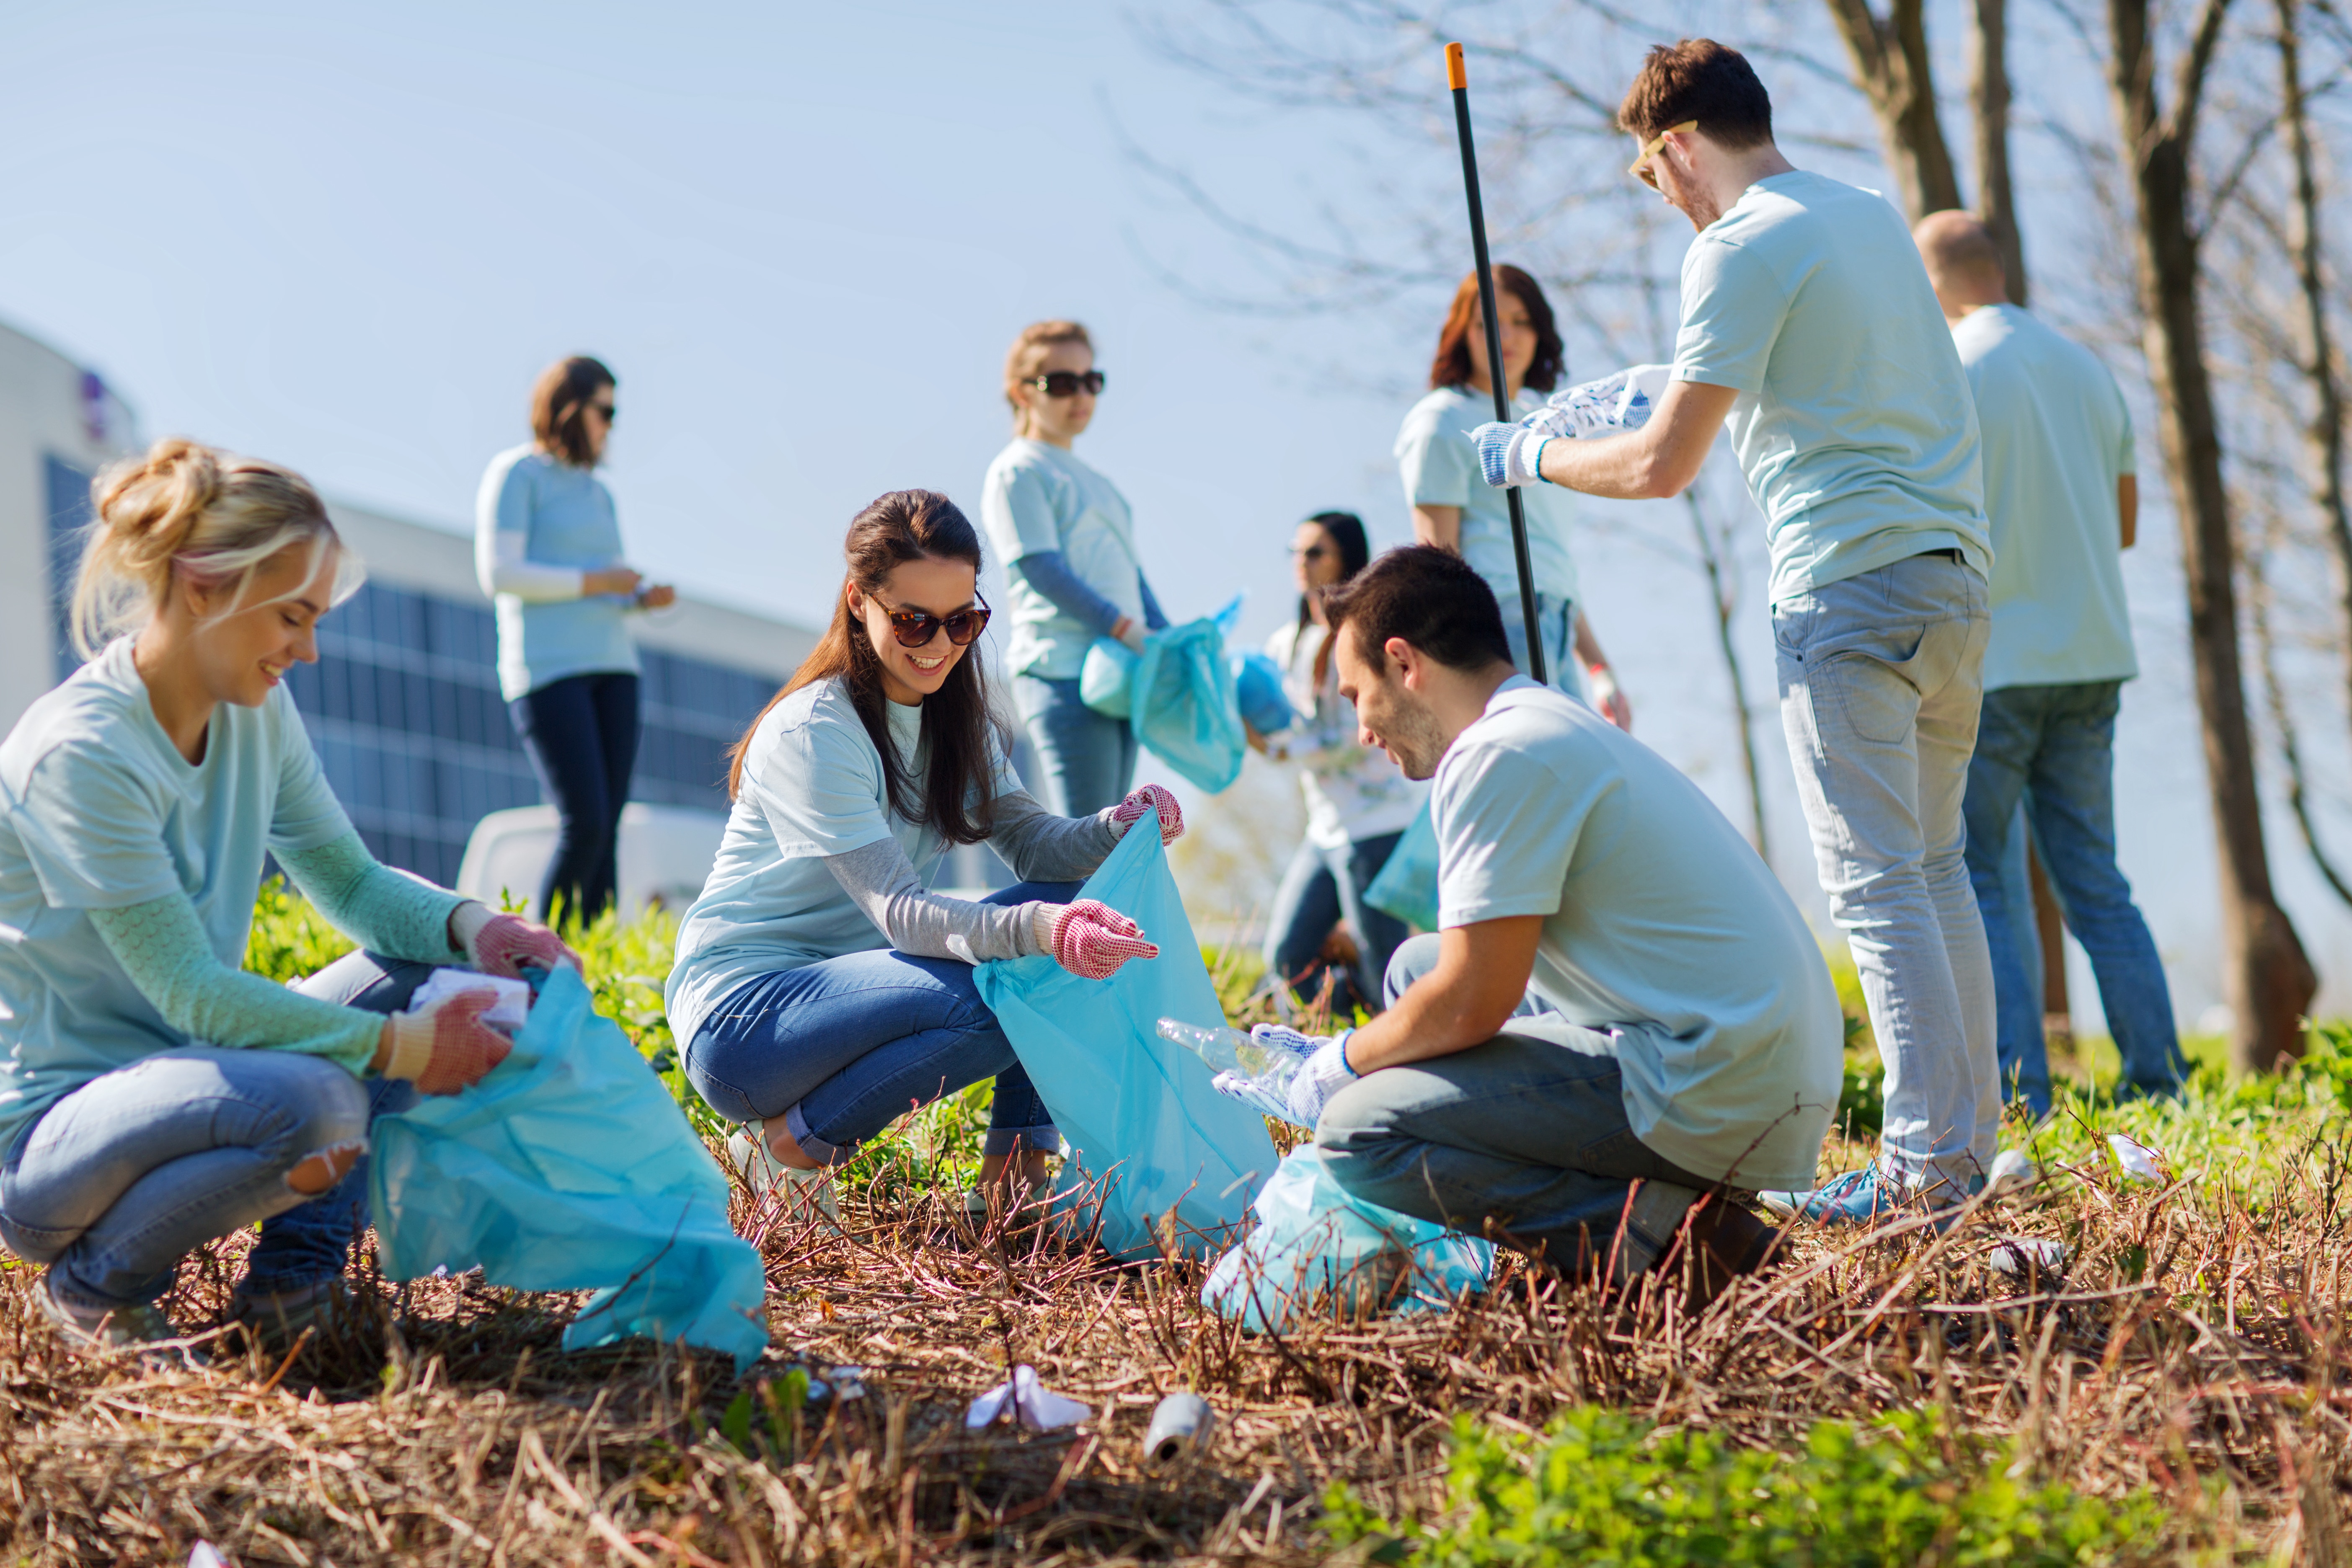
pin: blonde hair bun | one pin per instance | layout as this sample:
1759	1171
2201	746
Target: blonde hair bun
186	509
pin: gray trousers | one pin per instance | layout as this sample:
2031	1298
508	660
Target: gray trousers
1522	1139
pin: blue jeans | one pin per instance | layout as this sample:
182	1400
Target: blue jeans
1880	679
1321	889
1086	759
581	734
1556	621
122	1178
842	1048
2053	747
1522	1134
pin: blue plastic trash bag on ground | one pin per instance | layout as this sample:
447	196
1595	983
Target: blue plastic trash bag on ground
1407	886
1185	707
1107	681
570	1168
1135	1108
1316	1245
1257	688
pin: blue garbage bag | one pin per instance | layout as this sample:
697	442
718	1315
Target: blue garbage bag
1314	1242
1407	885
1136	1110
1257	688
1107	681
569	1167
1186	707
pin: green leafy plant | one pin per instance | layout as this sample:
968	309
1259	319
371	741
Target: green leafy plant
1607	1488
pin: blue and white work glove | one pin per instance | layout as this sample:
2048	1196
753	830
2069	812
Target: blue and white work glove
1323	1071
1513	454
1509	454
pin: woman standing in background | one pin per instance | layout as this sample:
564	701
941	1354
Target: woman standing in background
1359	803
1067	541
547	548
1453	506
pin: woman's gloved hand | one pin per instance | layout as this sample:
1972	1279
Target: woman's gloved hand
506	944
1151	798
1088	938
445	1047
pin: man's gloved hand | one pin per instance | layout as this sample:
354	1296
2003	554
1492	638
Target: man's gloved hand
1143	803
505	944
1323	1071
445	1047
1507	454
1088	938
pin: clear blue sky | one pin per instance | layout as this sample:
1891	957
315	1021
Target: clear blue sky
346	238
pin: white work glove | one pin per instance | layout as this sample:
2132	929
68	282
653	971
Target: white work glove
1509	455
444	1046
1610	406
1323	1071
506	944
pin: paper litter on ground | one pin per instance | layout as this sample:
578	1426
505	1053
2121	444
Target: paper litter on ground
510	1012
1039	1408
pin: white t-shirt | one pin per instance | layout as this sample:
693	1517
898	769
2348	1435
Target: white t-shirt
2057	437
1441	468
813	787
1854	422
1038	497
1663	931
1352	791
100	811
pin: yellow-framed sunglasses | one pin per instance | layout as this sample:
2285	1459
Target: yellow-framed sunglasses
1641	167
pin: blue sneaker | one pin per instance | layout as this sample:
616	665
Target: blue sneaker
1863	1197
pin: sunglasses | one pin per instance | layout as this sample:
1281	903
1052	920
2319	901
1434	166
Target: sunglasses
916	628
1641	167
1314	552
606	409
1068	382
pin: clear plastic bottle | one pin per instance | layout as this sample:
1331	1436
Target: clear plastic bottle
1227	1050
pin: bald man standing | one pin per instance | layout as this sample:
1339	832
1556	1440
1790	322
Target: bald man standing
2063	500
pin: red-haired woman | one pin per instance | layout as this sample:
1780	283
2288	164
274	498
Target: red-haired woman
819	991
1453	506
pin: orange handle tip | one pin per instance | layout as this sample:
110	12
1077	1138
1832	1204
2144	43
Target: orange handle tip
1458	75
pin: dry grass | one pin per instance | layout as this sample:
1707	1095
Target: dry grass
2194	1346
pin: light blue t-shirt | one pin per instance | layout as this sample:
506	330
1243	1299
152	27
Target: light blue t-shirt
1854	422
1038	498
1439	469
1663	931
567	519
100	811
2057	437
812	787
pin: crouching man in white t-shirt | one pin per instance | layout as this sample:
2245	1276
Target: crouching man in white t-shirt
1622	1012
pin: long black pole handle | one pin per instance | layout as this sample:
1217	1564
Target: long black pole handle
1457	76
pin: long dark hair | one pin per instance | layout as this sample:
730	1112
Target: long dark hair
1451	365
958	801
1347	531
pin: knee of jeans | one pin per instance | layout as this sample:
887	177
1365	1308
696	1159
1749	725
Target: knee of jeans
717	1093
1413	958
1360	1116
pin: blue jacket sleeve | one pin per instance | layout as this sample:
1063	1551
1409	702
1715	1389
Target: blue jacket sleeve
1154	618
1045	570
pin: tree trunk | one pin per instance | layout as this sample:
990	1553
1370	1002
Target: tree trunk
2325	434
1989	106
1890	60
2270	981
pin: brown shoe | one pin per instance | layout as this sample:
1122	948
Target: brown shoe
1721	1242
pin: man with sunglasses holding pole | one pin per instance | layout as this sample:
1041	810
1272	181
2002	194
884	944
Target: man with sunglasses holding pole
1809	330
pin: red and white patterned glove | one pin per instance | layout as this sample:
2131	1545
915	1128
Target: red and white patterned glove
1088	938
447	1046
1143	803
503	944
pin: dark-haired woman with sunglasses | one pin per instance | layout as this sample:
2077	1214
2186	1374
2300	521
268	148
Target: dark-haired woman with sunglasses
1067	541
1453	506
547	548
820	990
1359	802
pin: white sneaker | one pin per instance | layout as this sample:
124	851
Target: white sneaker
806	1191
2013	1171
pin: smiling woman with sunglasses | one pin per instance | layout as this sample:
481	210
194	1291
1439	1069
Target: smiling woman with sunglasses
820	990
1067	541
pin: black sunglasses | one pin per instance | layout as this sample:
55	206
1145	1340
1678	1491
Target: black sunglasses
1313	551
1068	382
609	411
916	628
